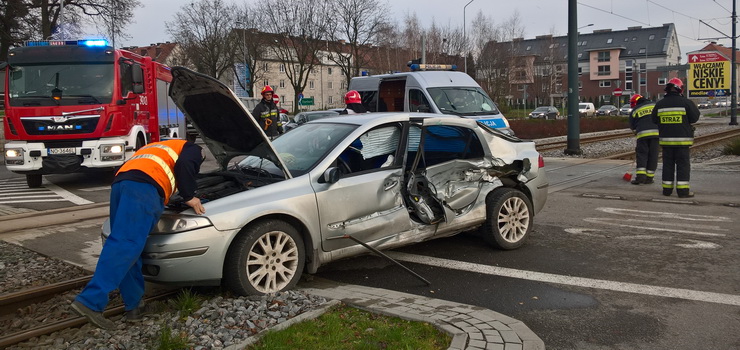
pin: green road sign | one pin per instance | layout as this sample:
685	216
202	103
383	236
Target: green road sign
307	101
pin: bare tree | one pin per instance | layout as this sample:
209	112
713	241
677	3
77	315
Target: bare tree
360	23
205	30
411	34
300	33
11	32
113	16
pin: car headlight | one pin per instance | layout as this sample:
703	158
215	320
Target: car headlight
176	223
14	156
112	152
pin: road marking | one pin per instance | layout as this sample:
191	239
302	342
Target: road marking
67	195
101	188
619	223
593	232
17	192
686	294
665	215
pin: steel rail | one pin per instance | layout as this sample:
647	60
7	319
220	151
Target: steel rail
11	302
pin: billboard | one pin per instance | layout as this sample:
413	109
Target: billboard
708	72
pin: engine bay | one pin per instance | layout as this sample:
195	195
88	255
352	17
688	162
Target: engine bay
219	184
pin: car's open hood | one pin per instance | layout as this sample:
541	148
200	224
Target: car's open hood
223	123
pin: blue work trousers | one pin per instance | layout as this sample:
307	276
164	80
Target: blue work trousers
135	208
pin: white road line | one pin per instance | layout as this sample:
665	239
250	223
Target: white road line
686	294
33	196
66	194
661	214
23	189
31	201
101	188
619	223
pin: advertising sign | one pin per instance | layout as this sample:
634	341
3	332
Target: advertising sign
708	72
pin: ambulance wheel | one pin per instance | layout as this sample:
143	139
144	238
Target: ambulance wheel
267	257
509	217
33	180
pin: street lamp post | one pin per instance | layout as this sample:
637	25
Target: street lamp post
465	38
244	55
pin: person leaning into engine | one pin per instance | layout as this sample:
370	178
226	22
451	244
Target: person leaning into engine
646	133
674	115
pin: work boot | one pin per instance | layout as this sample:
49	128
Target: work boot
667	191
94	317
639	179
649	181
685	194
137	314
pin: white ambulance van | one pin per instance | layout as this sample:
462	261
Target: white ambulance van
430	89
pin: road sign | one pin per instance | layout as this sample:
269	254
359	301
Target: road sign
708	71
719	93
276	98
306	101
300	96
617	92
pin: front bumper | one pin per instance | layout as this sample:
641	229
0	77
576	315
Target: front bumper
37	157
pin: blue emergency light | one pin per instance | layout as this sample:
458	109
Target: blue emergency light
88	43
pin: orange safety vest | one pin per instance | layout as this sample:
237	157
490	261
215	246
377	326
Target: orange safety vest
158	161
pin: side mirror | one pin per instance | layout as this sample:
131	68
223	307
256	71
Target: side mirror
138	79
331	175
3	64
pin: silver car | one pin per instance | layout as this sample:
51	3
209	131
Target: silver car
278	209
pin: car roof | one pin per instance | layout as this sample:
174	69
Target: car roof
364	118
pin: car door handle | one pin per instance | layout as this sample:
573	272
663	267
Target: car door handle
390	184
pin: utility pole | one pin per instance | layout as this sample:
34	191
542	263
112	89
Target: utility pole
574	127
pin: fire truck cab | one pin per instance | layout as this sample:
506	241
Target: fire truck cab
73	106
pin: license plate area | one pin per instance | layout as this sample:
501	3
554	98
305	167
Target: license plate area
62	150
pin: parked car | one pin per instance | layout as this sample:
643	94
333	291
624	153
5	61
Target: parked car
607	110
305	117
277	208
722	103
704	104
625	110
586	109
545	112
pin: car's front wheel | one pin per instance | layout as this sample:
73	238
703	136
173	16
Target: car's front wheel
267	258
508	218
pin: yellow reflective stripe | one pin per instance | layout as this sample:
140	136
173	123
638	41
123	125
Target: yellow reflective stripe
169	150
676	141
642	111
668	184
646	133
162	164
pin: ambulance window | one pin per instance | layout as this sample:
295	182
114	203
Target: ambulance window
418	102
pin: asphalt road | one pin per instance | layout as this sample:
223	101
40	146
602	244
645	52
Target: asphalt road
606	267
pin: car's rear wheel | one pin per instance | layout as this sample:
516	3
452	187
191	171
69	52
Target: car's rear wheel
267	258
509	218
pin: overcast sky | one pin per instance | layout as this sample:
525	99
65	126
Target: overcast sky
539	16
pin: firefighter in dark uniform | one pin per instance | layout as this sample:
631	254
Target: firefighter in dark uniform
267	113
646	132
674	115
140	190
354	103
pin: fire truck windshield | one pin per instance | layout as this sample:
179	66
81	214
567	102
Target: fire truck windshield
61	84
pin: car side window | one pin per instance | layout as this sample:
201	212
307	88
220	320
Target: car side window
375	149
443	143
418	102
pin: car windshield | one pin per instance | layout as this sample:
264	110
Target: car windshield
61	84
541	109
626	106
582	106
314	116
607	107
301	149
462	101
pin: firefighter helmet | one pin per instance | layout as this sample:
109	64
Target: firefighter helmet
675	83
265	89
352	97
634	99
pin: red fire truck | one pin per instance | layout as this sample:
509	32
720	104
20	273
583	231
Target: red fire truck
73	106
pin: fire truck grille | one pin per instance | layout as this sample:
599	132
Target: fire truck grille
49	127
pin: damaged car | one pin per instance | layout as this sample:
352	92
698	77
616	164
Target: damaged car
334	187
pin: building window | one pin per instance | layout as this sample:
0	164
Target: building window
580	55
651	37
628	85
282	67
521	87
662	81
282	83
584	43
605	83
328	72
643	67
580	71
628	64
265	83
634	38
604	56
330	85
626	39
529	48
580	85
331	99
604	70
310	85
641	51
643	81
609	41
265	67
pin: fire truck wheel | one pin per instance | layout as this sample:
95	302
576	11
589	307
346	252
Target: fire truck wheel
140	142
33	180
